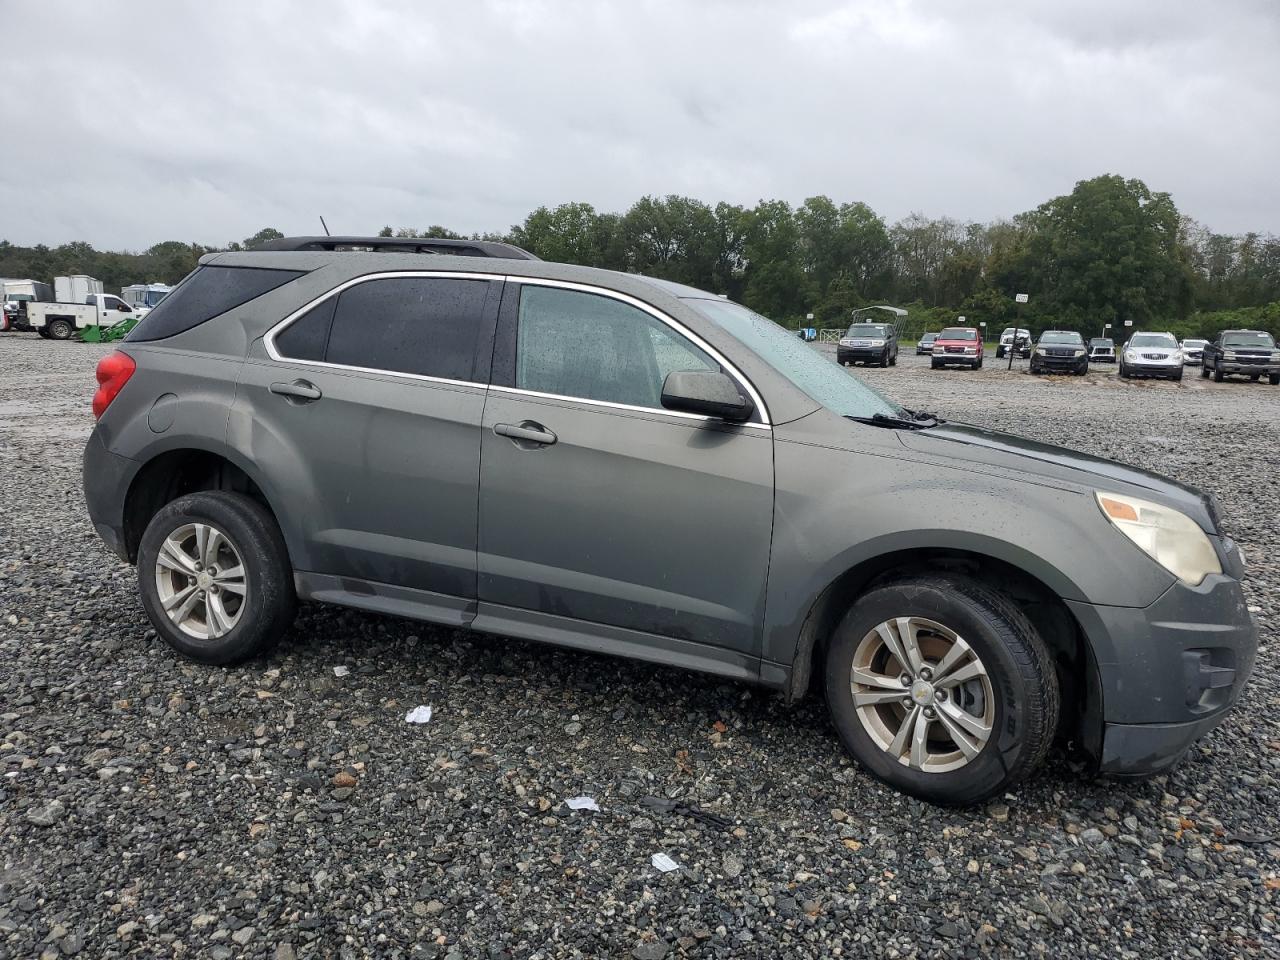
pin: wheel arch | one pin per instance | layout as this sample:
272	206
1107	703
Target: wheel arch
1038	596
176	471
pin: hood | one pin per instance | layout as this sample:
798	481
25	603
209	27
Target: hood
952	441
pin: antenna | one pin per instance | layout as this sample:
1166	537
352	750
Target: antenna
326	227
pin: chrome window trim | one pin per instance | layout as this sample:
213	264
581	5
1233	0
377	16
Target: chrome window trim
269	342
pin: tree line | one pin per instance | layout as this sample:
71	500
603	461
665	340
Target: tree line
1112	250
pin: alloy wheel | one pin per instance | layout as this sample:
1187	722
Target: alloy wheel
201	581
922	694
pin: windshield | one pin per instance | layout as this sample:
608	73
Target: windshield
1060	336
929	338
958	333
1153	340
1194	343
1248	340
810	371
868	330
1100	342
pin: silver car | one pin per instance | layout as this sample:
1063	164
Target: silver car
1151	355
1193	352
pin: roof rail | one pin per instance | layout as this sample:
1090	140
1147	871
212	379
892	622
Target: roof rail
456	248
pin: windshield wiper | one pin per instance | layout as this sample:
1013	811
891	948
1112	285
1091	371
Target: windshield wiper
916	421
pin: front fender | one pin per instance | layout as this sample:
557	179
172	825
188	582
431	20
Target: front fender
836	509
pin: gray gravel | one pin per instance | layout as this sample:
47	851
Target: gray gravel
151	807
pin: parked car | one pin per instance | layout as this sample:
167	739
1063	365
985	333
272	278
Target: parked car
1102	350
1017	339
1192	352
1061	351
957	346
631	466
1151	355
925	344
869	343
1249	352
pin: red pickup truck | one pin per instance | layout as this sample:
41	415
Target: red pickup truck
958	345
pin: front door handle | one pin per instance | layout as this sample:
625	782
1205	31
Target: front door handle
527	432
301	390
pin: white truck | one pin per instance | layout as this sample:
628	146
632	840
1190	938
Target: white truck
16	294
59	321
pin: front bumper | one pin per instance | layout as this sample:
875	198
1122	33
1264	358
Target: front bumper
1235	366
1140	369
969	359
1168	673
1061	364
852	354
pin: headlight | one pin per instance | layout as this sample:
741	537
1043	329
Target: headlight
1039	351
876	343
1167	536
1176	355
939	350
845	343
1131	355
1228	355
1078	353
970	349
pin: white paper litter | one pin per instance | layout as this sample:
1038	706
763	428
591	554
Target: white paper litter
582	803
341	671
418	715
664	863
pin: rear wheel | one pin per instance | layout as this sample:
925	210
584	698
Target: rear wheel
215	577
60	329
941	687
1217	373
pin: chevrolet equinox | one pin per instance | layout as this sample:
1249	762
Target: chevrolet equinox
461	433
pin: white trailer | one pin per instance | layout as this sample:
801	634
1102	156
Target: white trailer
143	296
75	289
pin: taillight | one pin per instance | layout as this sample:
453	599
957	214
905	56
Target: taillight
114	371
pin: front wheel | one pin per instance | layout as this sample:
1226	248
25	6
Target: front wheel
1204	372
60	329
215	577
933	364
941	687
1274	379
1217	373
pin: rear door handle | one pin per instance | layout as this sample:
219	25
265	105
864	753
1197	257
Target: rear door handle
528	432
298	390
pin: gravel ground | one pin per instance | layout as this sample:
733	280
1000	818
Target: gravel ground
151	807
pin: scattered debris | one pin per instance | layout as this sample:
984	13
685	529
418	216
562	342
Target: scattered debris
582	803
664	863
661	805
341	671
418	715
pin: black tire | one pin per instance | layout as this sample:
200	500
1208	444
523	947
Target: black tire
1253	377
999	353
933	364
1124	372
1217	374
60	329
1274	379
1024	685
978	365
269	600
1177	378
1204	372
893	361
43	333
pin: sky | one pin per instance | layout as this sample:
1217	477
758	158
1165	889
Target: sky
127	123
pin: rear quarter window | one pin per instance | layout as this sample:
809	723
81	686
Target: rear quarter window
206	293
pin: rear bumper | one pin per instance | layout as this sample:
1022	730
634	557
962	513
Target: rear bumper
1169	673
106	481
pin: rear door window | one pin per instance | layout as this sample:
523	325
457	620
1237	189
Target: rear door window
206	293
426	326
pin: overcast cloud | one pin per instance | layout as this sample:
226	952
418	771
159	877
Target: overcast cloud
128	123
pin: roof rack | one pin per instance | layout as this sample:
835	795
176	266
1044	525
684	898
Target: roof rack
455	248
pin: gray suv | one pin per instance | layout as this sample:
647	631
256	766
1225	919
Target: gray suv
466	435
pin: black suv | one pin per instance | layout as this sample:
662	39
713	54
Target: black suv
460	433
1252	353
1060	351
869	343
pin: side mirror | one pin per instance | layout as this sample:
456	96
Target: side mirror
707	393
